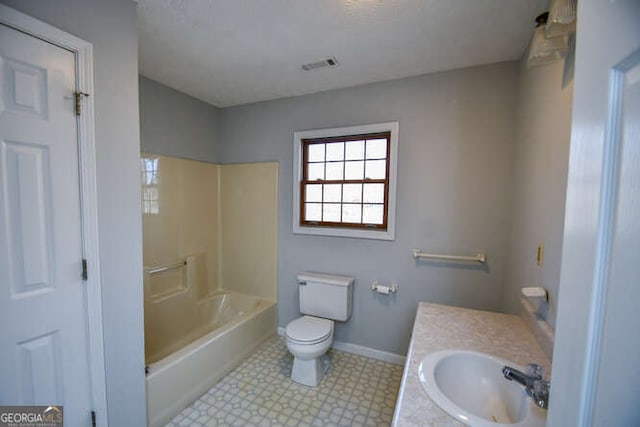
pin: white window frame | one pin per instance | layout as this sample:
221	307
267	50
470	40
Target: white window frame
389	233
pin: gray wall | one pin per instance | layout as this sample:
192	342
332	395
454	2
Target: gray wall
175	124
541	155
111	27
454	168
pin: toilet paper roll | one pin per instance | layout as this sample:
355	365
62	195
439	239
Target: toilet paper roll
385	290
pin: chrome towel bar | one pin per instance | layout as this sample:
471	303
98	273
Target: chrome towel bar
156	270
481	258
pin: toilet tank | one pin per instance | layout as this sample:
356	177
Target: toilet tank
326	295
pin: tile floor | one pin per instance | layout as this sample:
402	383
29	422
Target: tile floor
356	391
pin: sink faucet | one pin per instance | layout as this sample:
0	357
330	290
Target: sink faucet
536	387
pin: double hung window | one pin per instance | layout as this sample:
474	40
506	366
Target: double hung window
345	181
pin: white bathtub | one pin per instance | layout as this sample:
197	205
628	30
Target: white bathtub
237	325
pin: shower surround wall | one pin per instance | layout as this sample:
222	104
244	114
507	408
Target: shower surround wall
180	220
221	220
249	228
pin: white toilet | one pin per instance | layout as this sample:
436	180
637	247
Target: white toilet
323	299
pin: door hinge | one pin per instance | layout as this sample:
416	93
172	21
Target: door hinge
85	273
93	418
78	96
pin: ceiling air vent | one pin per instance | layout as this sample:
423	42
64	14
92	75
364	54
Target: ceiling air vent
329	62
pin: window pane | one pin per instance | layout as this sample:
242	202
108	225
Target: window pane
316	152
150	198
354	170
372	214
373	193
351	213
376	149
331	212
332	193
313	212
355	150
335	170
315	171
352	193
150	169
313	193
375	169
335	151
150	193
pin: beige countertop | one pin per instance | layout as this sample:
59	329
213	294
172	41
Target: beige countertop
441	327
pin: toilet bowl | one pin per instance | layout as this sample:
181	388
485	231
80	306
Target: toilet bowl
323	299
308	338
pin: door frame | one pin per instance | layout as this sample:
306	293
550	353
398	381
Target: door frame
85	123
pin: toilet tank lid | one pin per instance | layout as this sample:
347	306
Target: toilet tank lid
332	279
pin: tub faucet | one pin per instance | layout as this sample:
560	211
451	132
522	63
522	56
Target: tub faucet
536	387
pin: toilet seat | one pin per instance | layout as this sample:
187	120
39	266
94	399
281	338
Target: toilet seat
309	330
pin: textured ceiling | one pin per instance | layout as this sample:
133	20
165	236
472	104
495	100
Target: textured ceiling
230	52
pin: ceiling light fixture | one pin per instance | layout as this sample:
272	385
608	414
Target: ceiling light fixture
562	18
543	50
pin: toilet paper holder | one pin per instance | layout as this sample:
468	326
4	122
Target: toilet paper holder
384	290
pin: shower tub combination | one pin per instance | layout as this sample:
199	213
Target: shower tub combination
189	356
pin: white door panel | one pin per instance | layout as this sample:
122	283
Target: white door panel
43	339
620	354
596	370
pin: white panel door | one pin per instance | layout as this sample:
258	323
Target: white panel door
596	365
619	361
43	326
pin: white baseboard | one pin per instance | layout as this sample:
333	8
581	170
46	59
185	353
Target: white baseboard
372	353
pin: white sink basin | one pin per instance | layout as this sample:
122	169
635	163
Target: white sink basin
470	387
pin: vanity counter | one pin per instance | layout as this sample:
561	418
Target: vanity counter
442	327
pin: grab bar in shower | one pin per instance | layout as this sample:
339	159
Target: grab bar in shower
156	270
481	258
